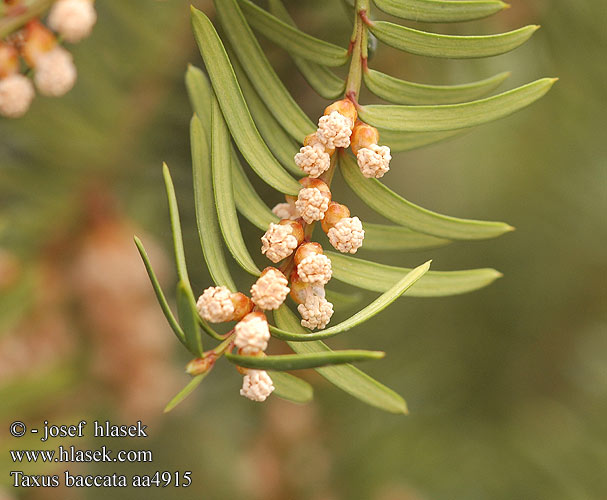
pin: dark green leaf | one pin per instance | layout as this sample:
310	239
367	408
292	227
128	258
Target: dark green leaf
291	388
273	93
206	214
188	318
384	237
406	141
451	46
440	11
224	192
234	108
209	330
185	392
178	239
342	301
248	202
402	92
454	116
282	145
182	269
395	208
285	362
326	83
291	39
201	96
347	377
164	305
380	277
374	308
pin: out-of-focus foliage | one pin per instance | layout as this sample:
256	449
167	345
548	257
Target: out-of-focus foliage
507	388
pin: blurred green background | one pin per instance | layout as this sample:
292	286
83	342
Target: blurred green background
507	386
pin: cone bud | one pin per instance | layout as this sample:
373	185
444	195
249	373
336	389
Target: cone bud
9	60
333	215
297	229
198	366
344	107
363	136
307	250
313	140
298	287
309	182
243	305
38	40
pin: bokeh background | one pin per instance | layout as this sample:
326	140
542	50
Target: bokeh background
507	386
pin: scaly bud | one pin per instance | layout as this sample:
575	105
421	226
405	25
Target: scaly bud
296	229
363	136
345	233
300	290
198	366
307	250
54	69
312	265
314	140
38	40
9	60
334	130
218	304
298	287
333	215
313	200
314	309
280	240
243	305
309	182
215	304
344	107
285	211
